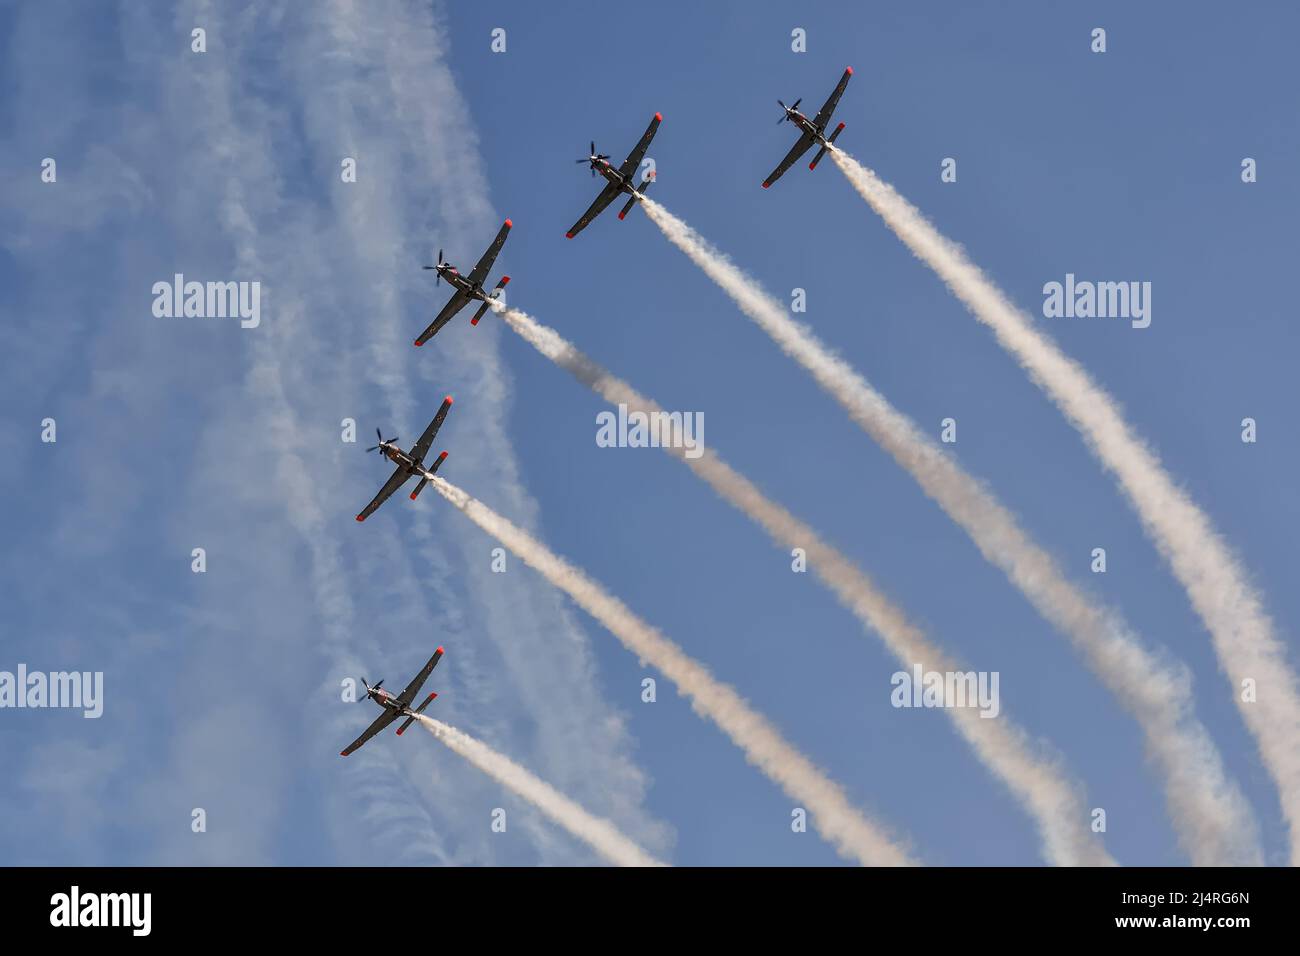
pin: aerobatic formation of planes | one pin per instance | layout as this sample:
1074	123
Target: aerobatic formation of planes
618	181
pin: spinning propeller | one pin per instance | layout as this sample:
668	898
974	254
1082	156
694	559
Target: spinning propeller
787	109
370	691
438	268
594	158
382	443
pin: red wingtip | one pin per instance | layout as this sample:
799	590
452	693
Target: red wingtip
505	280
848	70
343	753
418	343
765	185
841	126
620	215
568	235
812	165
440	649
442	456
412	495
447	399
509	223
361	517
659	117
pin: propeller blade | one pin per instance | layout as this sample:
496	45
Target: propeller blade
379	685
372	448
796	103
593	147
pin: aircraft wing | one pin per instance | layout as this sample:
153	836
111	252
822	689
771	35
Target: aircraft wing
485	264
607	196
458	301
824	114
422	446
392	484
798	149
380	722
417	682
638	152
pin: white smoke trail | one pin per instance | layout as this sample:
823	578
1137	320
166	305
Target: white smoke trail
1215	581
1004	749
1213	819
845	828
600	834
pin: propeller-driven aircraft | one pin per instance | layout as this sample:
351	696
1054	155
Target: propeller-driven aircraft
467	288
810	130
409	463
395	707
619	180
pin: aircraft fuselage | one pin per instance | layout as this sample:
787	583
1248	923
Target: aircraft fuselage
614	176
398	457
459	282
389	702
808	126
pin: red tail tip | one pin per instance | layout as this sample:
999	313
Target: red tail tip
812	165
841	126
848	70
442	456
509	223
412	495
505	280
621	215
659	117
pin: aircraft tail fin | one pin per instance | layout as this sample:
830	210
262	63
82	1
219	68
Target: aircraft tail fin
419	710
427	475
632	199
505	280
822	152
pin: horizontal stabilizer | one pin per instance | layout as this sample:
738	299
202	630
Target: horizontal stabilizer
505	280
419	710
632	200
433	469
822	152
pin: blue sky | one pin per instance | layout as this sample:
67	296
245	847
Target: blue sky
221	689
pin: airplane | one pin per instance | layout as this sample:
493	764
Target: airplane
620	180
467	287
812	130
409	463
395	707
